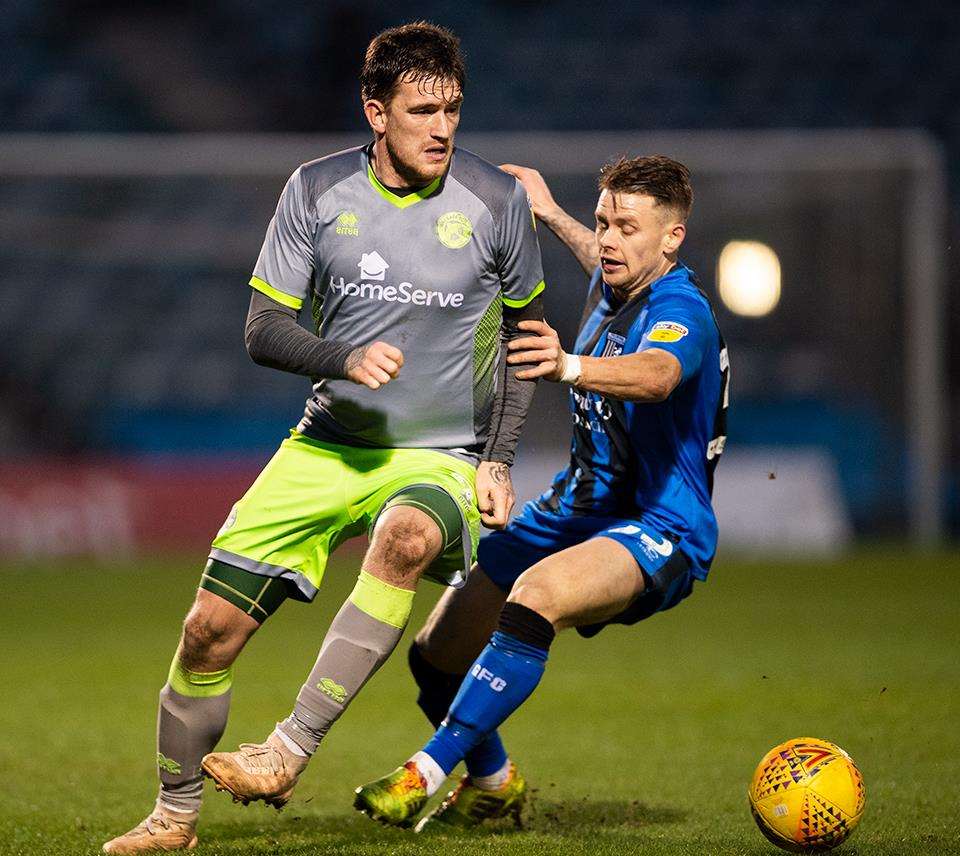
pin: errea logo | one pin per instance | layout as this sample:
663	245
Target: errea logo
373	272
348	224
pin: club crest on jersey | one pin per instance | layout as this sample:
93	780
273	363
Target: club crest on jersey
348	223
667	331
454	230
372	266
613	347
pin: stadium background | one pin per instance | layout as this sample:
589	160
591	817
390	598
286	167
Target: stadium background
141	154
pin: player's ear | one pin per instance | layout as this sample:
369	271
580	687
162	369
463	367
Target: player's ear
674	237
376	113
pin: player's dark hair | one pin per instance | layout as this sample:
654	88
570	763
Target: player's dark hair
414	52
666	180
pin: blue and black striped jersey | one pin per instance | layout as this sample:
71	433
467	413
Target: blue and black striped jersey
651	462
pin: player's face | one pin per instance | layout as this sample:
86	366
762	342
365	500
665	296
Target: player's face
637	240
419	124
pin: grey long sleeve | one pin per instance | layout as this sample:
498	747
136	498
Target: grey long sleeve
513	396
275	339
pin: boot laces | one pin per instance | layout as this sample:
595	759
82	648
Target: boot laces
263	757
156	820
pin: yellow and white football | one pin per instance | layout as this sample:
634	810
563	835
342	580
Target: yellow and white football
807	795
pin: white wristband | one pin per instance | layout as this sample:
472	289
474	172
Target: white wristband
571	369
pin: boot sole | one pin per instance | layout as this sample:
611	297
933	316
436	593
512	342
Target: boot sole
190	846
433	825
277	802
365	808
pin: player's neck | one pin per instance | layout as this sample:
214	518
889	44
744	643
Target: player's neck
386	170
645	282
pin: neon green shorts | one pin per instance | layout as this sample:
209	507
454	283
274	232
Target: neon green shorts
312	496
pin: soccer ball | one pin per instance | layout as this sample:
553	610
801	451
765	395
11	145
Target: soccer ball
807	795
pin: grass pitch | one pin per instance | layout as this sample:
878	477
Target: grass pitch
642	740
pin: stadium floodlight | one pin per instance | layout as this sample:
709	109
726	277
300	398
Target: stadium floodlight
748	278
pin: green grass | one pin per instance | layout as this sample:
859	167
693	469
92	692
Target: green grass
641	740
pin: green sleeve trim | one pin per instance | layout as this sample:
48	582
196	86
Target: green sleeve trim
523	301
267	289
382	601
402	201
199	684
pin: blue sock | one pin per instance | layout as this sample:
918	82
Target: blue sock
502	678
437	692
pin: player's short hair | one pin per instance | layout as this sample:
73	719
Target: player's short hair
416	52
666	180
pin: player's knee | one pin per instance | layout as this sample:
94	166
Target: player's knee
405	540
536	591
203	633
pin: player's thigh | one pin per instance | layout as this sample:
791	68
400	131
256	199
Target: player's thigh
286	524
405	540
214	633
583	584
461	623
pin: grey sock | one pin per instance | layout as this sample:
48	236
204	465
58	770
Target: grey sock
356	645
188	727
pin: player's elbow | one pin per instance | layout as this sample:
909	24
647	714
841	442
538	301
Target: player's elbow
658	389
253	339
659	380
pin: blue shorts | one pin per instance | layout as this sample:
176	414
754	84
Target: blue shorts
535	534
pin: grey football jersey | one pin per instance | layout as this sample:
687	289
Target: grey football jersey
428	273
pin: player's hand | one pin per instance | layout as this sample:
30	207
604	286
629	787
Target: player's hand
495	495
374	365
543	348
541	199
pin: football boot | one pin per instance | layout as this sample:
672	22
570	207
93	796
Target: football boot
394	800
161	830
467	805
257	771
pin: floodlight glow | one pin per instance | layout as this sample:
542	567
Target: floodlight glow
748	278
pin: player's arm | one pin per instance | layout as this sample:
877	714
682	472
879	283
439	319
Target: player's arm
521	285
275	339
281	282
670	350
514	394
580	240
650	375
510	406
